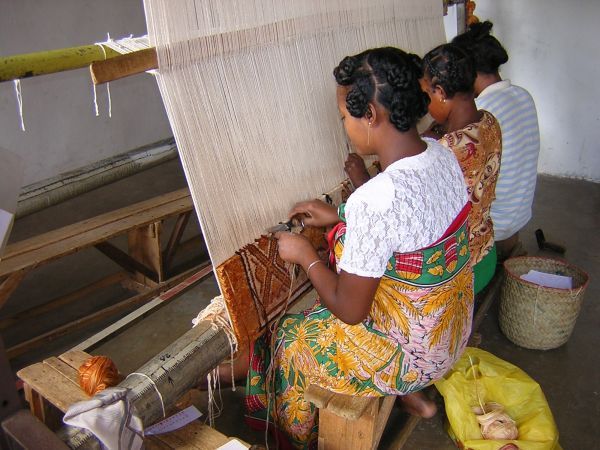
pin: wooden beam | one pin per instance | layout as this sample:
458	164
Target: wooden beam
135	316
52	61
124	65
51	335
175	239
125	261
10	283
64	300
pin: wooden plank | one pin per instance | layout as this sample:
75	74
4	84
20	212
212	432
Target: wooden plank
194	436
9	285
144	247
99	315
124	65
69	373
144	310
50	385
24	431
350	407
74	358
64	300
64	241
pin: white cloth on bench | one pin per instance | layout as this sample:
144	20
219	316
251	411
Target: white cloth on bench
111	418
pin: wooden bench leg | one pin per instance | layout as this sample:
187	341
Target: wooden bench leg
339	433
42	409
144	247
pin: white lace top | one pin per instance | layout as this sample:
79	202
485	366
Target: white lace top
407	207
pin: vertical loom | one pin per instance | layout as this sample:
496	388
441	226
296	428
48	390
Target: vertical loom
248	88
249	92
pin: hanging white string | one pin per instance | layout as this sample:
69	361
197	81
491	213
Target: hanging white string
19	94
101	45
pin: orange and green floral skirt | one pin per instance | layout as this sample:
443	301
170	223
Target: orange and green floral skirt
418	326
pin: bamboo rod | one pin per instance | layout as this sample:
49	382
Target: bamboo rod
52	61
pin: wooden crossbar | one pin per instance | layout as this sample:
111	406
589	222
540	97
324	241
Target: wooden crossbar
47	247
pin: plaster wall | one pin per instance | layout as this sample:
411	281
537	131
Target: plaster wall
553	49
62	130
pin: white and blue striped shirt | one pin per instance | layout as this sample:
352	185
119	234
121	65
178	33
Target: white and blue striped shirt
515	110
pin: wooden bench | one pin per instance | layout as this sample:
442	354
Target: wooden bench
349	422
146	266
51	387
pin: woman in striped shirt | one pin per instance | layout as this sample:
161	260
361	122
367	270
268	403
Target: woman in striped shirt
515	110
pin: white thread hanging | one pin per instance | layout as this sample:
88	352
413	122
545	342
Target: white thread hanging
101	45
162	403
216	313
19	94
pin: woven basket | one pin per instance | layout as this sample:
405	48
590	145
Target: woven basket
538	317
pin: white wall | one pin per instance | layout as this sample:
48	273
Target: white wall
554	49
63	132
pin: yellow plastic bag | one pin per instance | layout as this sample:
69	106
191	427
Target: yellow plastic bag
479	376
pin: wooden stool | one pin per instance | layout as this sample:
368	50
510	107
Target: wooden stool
347	421
52	386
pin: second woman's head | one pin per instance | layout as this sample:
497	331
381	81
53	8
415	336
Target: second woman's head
379	88
449	74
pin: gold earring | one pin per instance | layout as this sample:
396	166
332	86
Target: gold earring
369	134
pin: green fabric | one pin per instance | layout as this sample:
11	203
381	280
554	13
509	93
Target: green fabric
484	270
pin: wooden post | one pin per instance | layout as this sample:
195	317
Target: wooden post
175	370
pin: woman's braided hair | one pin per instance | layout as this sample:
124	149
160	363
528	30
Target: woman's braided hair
485	49
389	76
450	67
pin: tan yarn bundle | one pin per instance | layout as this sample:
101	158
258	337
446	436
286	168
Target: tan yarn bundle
495	422
97	373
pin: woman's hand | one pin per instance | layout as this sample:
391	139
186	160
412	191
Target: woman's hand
356	169
296	249
315	213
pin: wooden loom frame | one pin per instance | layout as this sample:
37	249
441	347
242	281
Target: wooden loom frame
213	340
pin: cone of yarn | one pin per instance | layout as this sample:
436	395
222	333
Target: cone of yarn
97	373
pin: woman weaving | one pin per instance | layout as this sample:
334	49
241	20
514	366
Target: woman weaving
396	313
475	138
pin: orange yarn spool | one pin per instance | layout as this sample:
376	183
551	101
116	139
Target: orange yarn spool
97	373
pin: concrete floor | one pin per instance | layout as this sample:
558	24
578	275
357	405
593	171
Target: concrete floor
567	210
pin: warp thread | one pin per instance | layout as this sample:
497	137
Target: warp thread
216	313
98	373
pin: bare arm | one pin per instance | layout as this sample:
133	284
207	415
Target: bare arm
349	297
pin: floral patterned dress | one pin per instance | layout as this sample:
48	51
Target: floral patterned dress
478	148
418	326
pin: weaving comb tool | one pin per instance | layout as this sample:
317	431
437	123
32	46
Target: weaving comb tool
293	226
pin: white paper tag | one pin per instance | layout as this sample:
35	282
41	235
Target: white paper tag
234	444
176	421
548	279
